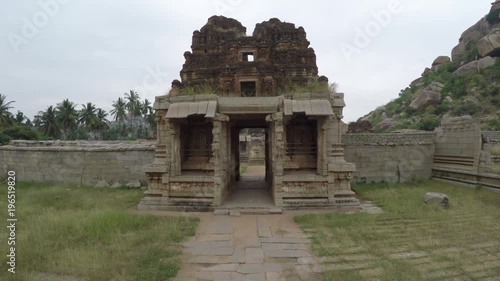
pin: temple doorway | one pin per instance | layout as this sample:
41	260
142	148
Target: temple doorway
251	183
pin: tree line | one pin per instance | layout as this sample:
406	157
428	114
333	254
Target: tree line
132	118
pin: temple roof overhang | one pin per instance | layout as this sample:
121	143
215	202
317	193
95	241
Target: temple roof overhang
185	109
210	105
309	107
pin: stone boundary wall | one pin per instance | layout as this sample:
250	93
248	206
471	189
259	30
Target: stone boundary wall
489	155
393	157
463	152
77	162
491	137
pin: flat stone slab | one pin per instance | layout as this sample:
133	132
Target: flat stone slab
210	251
254	255
275	211
284	246
209	244
259	268
256	277
263	228
286	240
222	228
234	213
221	212
201	260
274	276
221	268
286	253
222	276
215	237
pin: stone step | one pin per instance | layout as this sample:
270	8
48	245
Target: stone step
247	211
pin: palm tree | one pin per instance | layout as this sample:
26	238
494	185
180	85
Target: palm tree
48	122
37	121
146	107
151	121
149	116
67	116
5	115
119	110
101	121
134	106
19	118
88	117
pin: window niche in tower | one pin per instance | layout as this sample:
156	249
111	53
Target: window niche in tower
248	57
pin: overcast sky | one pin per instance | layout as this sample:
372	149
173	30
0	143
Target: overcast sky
97	50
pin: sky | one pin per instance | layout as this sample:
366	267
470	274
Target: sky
95	51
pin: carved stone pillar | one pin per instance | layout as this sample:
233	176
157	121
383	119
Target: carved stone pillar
159	168
220	157
278	151
339	171
174	143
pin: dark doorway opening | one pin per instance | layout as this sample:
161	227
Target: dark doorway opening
248	89
251	185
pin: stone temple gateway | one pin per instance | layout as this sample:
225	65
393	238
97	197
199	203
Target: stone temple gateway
197	161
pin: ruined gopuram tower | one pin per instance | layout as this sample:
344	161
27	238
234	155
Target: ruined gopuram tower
230	63
231	81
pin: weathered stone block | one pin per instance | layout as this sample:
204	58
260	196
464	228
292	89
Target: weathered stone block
433	198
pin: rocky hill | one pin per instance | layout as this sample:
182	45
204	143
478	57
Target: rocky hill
468	83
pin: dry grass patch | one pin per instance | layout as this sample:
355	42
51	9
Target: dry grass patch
411	241
70	233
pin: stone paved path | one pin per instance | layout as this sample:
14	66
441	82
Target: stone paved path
267	248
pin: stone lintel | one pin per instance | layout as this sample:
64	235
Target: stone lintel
249	105
155	169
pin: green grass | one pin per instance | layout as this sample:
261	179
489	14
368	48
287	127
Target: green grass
410	240
89	234
496	168
243	169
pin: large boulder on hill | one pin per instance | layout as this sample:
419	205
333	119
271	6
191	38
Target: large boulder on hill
362	126
495	6
385	125
489	45
486	62
441	60
473	34
466	69
475	66
431	95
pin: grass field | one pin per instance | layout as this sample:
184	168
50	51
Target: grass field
411	241
243	169
496	168
73	234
